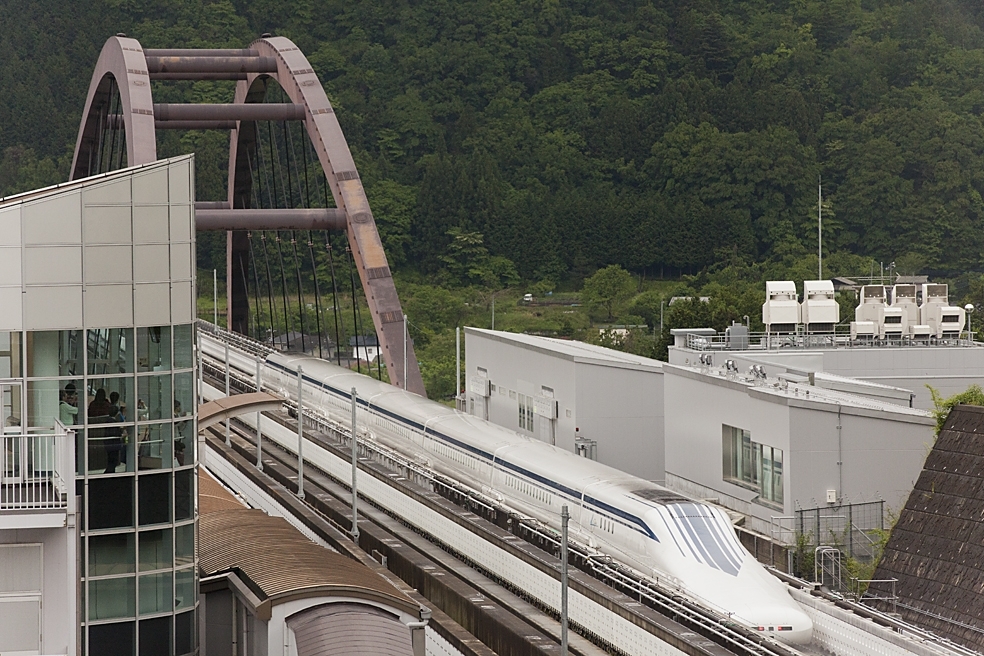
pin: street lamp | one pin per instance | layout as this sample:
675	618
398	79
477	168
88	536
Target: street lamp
970	310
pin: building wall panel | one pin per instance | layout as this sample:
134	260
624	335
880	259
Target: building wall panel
53	265
54	220
53	308
150	224
108	225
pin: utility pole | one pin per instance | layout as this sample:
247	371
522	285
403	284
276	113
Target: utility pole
215	297
228	376
457	364
259	415
355	469
564	519
406	342
819	228
300	434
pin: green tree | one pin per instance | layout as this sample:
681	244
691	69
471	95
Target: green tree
973	395
608	288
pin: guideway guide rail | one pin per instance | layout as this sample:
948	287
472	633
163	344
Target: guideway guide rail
694	636
503	622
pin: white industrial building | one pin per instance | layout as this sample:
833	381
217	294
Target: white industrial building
600	402
766	447
804	416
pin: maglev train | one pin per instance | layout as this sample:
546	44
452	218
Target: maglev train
641	524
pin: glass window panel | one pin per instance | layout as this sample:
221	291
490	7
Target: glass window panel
109	598
184	443
155	593
109	449
11	407
109	351
107	399
767	472
185	589
184	346
184	494
80	453
110	502
184	394
155	499
114	639
184	632
48	400
54	353
154	348
10	355
155	636
68	402
184	545
777	495
154	398
155	550
154	446
111	554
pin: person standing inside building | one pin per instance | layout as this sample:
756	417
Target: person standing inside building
68	406
99	412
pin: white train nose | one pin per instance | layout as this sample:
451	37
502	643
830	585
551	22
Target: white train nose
788	625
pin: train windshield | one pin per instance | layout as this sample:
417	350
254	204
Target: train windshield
705	536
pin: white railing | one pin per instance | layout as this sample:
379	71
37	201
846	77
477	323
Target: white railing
841	338
37	471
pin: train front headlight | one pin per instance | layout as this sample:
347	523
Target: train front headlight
788	625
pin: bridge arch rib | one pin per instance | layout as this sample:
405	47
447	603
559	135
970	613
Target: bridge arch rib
124	67
121	68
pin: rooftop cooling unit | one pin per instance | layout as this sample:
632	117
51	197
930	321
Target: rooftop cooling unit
904	296
920	332
819	310
865	330
936	312
872	309
893	324
872	300
780	312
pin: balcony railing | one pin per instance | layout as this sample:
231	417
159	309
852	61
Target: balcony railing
839	339
37	471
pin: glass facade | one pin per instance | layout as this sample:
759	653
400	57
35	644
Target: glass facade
130	395
752	465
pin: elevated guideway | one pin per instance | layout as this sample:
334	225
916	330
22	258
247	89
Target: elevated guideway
611	605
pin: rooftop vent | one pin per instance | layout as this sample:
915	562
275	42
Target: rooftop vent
780	312
819	310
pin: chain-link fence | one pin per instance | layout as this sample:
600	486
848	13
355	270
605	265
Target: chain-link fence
856	530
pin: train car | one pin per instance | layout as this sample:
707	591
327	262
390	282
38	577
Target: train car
643	525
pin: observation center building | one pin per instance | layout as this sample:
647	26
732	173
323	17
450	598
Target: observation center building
98	503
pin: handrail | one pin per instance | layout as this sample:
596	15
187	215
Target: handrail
37	470
840	338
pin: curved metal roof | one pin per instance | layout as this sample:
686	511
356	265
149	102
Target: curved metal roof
276	560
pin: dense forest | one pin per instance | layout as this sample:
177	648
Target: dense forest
533	142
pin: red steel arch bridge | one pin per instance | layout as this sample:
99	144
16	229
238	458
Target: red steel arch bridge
292	183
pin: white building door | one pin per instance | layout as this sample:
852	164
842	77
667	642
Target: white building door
20	599
20	626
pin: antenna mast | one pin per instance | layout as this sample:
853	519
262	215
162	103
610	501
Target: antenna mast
819	227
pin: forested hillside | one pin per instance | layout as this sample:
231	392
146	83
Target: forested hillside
662	136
